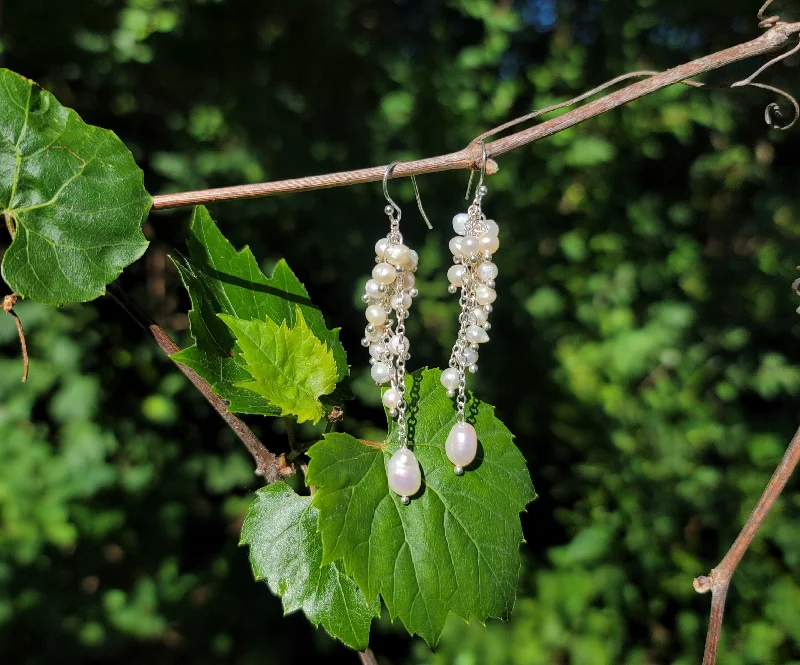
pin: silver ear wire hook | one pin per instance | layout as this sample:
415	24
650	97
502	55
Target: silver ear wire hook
483	171
394	206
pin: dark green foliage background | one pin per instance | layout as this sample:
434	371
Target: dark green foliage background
644	348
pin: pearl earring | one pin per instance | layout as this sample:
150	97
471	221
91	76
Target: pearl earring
474	273
388	296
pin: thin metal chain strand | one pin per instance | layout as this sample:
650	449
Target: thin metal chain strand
400	366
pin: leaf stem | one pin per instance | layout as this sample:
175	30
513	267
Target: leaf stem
367	657
8	308
718	580
271	467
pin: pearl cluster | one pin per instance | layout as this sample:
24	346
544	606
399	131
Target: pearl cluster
388	296
474	273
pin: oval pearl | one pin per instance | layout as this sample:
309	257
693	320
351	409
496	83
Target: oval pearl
480	315
403	473
413	260
408	281
487	270
470	357
462	444
484	295
373	290
381	372
489	244
377	351
449	378
476	335
470	246
391	398
399	301
460	223
376	335
384	273
380	247
398	255
492	229
455	274
394	345
455	245
376	315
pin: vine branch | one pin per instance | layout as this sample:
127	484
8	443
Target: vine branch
268	465
718	580
778	35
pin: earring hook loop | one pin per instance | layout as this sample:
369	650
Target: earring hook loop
386	174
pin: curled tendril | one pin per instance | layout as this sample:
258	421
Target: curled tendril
766	22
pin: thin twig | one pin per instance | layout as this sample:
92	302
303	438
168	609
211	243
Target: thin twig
718	580
8	308
367	657
290	432
268	465
777	36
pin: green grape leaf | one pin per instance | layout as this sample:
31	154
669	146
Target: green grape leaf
456	546
221	280
72	197
286	551
289	367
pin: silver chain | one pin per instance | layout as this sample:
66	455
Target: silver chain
400	367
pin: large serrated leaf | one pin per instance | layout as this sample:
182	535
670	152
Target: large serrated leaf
456	546
289	367
286	551
72	197
222	280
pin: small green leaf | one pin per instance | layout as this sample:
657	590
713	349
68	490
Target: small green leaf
221	280
286	551
290	367
72	197
456	546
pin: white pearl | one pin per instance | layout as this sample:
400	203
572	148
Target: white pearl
469	246
391	398
484	295
403	473
461	445
399	301
376	315
450	378
408	281
381	372
398	255
373	289
376	334
470	357
413	260
377	351
456	274
384	273
460	223
477	335
394	345
380	247
492	229
480	315
455	245
487	271
489	244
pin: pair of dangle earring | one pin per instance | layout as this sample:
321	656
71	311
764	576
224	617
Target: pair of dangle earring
388	296
474	273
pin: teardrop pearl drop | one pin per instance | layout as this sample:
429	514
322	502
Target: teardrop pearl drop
403	473
462	444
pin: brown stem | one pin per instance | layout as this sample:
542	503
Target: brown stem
8	308
777	36
367	657
268	465
718	580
